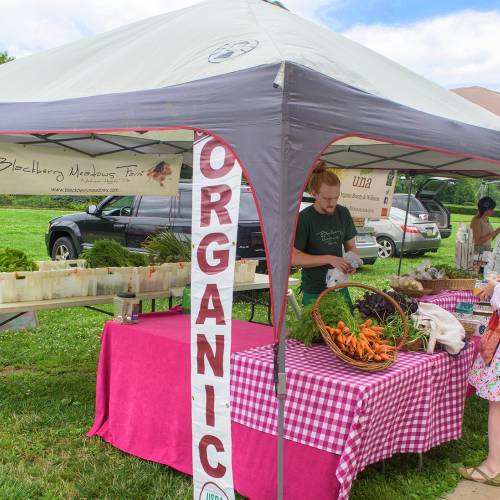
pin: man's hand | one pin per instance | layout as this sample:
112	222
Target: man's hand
341	264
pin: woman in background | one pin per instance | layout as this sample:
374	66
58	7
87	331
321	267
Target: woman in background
482	230
486	379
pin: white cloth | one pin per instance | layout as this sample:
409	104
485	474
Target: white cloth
441	326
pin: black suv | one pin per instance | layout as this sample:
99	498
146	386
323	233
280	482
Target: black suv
131	219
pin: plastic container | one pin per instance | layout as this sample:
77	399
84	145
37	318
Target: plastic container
126	308
52	265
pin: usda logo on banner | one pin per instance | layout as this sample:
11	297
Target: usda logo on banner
216	200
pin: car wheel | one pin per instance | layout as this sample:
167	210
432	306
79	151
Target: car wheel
386	247
63	249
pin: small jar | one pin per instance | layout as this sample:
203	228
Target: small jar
126	308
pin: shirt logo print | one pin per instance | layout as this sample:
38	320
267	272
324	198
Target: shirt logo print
330	237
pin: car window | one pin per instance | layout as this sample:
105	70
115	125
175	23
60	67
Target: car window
157	206
118	206
415	204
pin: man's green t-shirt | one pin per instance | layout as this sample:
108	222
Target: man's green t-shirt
321	234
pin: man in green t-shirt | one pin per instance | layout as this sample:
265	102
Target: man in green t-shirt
324	229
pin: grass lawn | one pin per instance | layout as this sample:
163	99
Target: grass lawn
47	391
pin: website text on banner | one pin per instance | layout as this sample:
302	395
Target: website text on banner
367	193
216	200
44	170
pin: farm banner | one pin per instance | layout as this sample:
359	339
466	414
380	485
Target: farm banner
367	193
40	170
216	200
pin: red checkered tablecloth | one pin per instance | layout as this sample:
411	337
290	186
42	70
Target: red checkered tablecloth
449	298
363	417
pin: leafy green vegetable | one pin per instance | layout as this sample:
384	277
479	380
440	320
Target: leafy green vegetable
165	246
374	305
12	260
393	329
138	259
332	308
109	253
304	328
454	273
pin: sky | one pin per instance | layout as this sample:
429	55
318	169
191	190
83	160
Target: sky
455	43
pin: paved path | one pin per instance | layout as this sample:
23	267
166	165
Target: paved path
469	490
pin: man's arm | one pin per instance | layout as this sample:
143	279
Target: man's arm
303	259
350	246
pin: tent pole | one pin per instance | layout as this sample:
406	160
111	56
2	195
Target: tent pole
280	385
411	175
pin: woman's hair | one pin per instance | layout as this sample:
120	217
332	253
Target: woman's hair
322	175
484	204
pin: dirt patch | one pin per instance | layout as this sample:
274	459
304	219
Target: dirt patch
11	370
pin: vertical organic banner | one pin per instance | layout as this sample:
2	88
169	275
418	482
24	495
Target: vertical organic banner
216	199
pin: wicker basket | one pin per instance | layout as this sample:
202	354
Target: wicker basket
371	366
448	284
469	327
413	293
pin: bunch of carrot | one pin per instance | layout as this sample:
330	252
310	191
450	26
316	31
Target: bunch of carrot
365	344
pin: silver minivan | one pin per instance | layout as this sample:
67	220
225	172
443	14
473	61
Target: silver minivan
422	235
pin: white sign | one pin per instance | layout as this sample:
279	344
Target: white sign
367	193
43	170
216	200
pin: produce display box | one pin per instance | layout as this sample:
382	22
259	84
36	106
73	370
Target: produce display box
52	265
244	271
79	282
70	279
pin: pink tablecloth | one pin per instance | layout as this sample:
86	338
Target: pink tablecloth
450	298
338	419
143	407
363	417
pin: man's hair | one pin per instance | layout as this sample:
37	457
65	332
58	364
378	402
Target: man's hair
322	175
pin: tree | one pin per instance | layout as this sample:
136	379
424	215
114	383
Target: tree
4	57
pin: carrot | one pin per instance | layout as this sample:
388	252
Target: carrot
346	330
368	332
377	328
359	349
340	325
368	322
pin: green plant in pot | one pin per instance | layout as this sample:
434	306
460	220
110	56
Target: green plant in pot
12	260
166	246
109	253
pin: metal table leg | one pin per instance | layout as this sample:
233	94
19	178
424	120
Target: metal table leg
8	320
